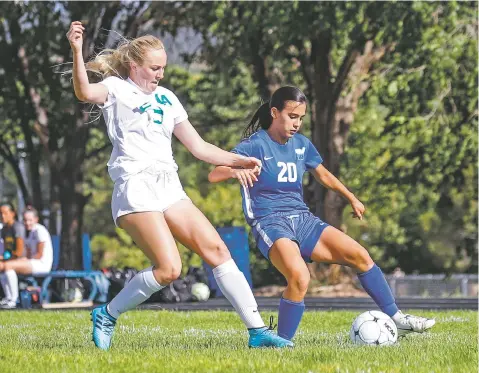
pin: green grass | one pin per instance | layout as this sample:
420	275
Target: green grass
164	341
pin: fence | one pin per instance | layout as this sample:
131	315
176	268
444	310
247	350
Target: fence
434	286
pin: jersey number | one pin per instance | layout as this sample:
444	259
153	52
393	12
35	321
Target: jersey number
163	100
288	172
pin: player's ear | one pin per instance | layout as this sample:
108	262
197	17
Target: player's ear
274	112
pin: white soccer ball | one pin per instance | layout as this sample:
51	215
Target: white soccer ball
374	328
200	291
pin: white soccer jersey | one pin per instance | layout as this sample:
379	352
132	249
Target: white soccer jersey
40	234
140	127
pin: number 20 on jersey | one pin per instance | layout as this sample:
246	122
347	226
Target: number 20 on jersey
288	172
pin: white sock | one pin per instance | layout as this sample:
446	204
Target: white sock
142	286
5	286
236	289
12	283
397	316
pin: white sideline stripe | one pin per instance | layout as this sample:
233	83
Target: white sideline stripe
84	304
247	200
264	235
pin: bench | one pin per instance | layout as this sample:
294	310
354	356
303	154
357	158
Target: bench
93	277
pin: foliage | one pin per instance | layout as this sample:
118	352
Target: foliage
117	252
410	149
418	175
401	128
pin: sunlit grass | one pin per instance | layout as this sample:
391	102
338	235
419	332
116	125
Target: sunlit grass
164	341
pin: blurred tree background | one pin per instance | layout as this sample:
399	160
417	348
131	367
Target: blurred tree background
392	89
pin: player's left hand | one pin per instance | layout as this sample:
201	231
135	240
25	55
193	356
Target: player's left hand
249	162
358	208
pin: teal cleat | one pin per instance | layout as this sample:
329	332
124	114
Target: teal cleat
264	337
103	325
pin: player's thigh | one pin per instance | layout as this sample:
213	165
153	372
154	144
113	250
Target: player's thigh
286	257
151	233
21	266
191	227
337	247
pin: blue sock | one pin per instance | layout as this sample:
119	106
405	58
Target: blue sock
376	286
289	317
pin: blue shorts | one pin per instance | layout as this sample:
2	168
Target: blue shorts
302	227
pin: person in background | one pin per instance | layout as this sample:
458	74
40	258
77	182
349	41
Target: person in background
13	237
38	258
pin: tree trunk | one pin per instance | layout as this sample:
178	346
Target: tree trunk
72	205
20	179
334	108
332	113
70	178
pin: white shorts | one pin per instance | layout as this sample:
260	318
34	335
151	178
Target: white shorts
146	191
39	266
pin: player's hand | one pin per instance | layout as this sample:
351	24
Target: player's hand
247	176
75	35
358	208
249	163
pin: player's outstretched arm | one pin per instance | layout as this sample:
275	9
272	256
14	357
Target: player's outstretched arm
330	181
220	173
92	93
186	133
246	177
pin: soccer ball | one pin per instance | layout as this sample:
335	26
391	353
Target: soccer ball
200	291
373	328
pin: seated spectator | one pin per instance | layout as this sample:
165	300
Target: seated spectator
38	260
12	235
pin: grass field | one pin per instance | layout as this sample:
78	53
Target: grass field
164	341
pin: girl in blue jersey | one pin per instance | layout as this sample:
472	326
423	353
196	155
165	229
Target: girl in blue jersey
285	231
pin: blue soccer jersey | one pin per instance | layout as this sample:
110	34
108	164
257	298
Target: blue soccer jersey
280	185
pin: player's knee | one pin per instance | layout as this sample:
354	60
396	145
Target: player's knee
168	274
362	261
216	253
298	281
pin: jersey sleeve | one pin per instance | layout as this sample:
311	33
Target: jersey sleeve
243	148
180	113
19	231
43	235
312	157
112	83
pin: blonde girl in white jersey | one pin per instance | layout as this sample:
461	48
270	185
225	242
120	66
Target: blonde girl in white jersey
148	200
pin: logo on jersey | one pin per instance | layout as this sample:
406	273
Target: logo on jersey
162	100
300	153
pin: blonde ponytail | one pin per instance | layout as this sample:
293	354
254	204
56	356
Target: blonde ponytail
116	62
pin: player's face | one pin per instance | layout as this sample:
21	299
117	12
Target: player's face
289	120
8	216
29	220
148	75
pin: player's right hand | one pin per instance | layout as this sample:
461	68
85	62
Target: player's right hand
246	176
75	35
